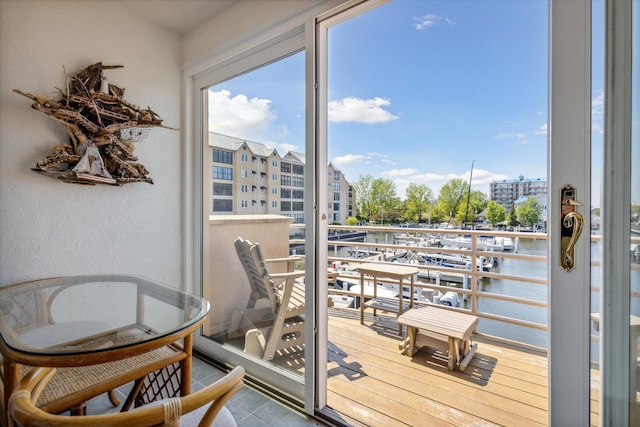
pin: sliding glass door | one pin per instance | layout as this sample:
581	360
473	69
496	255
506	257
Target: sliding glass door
254	185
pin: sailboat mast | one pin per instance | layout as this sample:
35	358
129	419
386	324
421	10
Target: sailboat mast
466	213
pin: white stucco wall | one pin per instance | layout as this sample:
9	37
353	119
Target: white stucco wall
49	228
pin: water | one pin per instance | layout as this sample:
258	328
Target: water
519	289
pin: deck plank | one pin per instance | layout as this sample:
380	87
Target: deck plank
371	383
444	386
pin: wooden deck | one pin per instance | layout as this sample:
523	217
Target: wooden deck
371	383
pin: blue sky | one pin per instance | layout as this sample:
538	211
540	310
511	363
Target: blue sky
417	91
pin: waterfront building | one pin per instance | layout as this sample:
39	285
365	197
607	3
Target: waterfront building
248	178
507	191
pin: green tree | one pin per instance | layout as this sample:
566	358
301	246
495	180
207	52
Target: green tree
477	203
383	196
352	220
529	211
495	212
451	195
436	214
417	202
512	218
364	205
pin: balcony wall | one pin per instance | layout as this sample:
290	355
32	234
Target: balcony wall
226	285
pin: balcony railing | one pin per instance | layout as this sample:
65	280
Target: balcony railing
474	281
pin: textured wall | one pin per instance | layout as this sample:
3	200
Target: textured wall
49	228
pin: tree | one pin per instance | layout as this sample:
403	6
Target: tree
477	203
495	212
450	196
364	204
512	218
383	195
352	220
418	201
529	211
436	213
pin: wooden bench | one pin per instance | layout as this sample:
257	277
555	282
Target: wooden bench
445	330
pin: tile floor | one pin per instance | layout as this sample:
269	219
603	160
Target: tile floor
249	407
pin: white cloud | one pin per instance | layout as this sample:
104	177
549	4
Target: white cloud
542	130
597	106
239	116
481	180
347	159
430	20
400	172
597	113
596	128
369	111
482	177
283	148
510	136
283	130
517	137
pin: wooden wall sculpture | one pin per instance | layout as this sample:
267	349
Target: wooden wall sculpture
103	129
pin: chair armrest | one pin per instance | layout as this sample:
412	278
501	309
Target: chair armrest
288	259
289	275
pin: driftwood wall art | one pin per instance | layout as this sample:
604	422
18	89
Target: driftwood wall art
103	129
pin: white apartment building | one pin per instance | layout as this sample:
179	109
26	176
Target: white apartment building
249	178
507	191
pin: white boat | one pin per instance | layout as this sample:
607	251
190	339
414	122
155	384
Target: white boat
384	290
456	261
496	244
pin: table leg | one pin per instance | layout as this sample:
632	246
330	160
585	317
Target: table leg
375	292
11	378
362	298
411	340
411	293
185	371
452	353
400	298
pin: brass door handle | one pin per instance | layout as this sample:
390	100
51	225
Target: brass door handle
575	221
571	226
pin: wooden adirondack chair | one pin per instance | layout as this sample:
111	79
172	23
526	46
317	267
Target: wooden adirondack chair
274	323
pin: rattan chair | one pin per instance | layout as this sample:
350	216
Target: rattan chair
179	411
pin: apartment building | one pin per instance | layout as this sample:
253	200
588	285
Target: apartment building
249	178
507	191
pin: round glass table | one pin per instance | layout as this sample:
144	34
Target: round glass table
101	331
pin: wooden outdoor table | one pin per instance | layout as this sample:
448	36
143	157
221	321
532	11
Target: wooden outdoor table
101	332
446	330
395	272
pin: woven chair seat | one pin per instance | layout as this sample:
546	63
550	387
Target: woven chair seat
72	386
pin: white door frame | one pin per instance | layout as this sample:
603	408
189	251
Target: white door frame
569	162
615	346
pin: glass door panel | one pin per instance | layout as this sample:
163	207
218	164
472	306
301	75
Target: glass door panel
254	191
431	117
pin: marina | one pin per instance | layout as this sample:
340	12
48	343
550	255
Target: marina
509	291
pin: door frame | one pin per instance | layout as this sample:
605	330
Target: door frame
569	162
617	407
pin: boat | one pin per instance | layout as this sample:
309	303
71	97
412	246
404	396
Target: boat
495	244
456	261
384	290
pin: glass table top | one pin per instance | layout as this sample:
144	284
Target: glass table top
89	314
